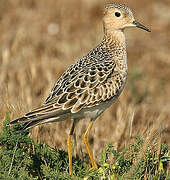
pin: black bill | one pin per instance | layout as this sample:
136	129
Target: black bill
137	24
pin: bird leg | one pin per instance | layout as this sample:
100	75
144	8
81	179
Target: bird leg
86	142
69	146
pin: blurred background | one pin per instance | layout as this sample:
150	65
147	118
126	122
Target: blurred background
40	39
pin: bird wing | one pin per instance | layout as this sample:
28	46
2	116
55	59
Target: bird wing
85	84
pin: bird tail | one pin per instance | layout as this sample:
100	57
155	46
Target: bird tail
39	116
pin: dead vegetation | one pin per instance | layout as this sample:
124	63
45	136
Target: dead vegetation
40	39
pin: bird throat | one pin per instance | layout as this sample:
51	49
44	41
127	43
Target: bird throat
115	39
115	43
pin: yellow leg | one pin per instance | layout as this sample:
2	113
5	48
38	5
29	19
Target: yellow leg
86	142
69	145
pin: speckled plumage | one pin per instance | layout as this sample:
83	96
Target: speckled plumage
88	87
95	79
118	6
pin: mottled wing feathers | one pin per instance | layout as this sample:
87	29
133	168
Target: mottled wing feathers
91	81
84	85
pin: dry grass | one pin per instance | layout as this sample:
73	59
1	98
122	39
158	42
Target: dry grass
40	39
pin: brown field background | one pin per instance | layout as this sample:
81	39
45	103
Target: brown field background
40	39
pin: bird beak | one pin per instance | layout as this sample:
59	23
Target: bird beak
137	24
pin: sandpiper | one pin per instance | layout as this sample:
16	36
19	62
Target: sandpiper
88	87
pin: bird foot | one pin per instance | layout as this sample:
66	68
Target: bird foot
93	167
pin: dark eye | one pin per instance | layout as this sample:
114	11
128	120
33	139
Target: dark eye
117	14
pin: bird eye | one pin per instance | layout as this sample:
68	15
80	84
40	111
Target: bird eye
117	14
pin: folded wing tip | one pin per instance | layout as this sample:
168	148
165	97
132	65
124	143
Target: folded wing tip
17	121
9	124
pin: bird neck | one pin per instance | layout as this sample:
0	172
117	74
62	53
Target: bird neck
115	44
114	39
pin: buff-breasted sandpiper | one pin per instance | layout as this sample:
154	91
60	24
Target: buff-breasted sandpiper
88	87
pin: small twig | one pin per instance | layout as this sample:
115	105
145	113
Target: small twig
15	148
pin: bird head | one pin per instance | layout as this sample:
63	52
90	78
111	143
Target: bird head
118	17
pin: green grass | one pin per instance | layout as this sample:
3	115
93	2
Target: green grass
22	158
